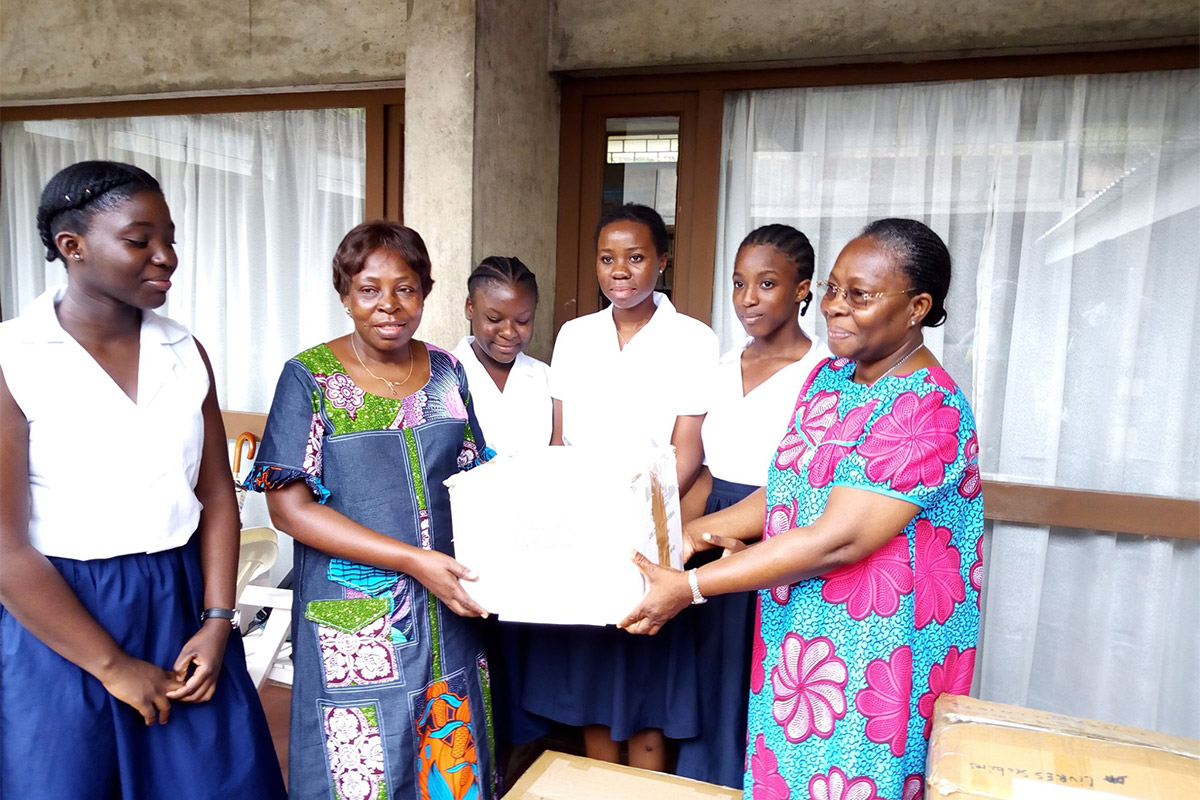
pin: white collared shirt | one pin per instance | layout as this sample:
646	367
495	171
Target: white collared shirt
520	417
742	431
613	397
107	476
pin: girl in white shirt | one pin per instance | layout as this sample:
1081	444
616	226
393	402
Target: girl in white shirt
511	392
634	375
120	673
753	397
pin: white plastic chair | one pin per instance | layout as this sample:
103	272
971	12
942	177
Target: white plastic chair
260	548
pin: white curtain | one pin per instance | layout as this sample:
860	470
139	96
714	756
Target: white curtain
1071	206
260	201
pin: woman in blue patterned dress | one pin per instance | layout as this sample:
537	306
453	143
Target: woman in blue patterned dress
391	694
870	519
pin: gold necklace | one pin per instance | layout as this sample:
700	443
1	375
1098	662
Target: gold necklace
390	384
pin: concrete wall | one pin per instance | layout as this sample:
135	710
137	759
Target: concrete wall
624	34
68	49
516	147
481	150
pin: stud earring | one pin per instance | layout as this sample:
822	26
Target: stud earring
76	256
347	310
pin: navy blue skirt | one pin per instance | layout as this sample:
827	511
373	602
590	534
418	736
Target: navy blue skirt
587	675
722	628
65	736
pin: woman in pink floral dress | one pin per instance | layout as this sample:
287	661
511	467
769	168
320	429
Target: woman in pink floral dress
868	608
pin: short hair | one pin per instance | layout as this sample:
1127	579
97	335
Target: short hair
635	212
502	269
79	192
794	246
380	234
923	257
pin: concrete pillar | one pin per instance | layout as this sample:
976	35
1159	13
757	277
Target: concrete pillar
516	147
439	130
480	149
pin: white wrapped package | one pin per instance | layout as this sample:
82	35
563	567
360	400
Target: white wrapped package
549	531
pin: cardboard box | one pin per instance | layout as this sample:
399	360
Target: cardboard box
987	750
557	776
549	531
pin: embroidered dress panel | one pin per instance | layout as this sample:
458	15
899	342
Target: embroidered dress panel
386	677
615	397
741	431
846	666
139	466
521	416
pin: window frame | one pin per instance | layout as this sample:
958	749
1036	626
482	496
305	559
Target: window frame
384	190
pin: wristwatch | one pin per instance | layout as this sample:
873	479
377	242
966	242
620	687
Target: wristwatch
232	614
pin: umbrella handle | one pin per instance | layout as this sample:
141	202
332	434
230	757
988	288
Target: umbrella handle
237	450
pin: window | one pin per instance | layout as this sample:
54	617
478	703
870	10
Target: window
260	200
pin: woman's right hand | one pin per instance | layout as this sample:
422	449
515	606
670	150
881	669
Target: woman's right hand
143	686
440	574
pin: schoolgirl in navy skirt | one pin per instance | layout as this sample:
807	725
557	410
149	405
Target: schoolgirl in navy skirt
753	396
632	376
120	673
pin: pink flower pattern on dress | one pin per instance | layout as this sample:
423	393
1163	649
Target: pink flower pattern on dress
976	573
939	377
836	786
952	676
839	440
939	584
971	484
914	787
809	685
355	754
758	651
874	584
764	769
886	700
809	424
913	442
360	658
342	392
454	404
780	518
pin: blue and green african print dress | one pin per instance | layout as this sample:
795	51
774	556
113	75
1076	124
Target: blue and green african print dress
846	666
391	692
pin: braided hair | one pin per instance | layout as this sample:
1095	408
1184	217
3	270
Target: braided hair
923	257
80	191
502	269
794	246
645	215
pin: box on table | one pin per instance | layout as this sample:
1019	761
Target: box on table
549	531
558	776
980	749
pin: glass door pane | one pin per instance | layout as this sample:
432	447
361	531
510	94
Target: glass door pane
641	155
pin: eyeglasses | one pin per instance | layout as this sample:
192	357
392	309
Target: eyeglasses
855	298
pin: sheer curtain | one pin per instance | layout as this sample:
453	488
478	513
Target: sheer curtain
260	201
1072	211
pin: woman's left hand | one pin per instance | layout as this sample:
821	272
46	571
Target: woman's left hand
667	594
206	650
